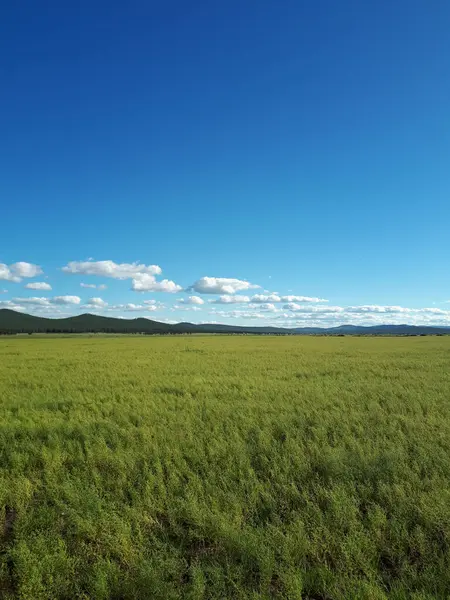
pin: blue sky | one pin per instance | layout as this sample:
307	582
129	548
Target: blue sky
302	147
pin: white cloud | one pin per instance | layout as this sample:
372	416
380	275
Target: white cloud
93	286
12	305
7	275
436	311
148	283
66	300
378	309
24	269
143	276
17	271
153	305
108	268
221	285
146	306
262	299
237	314
302	299
228	299
38	285
3	291
97	302
267	306
185	308
40	304
192	300
312	309
33	300
130	307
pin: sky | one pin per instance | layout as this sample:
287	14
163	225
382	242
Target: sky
281	161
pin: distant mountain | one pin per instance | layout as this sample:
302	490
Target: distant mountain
12	322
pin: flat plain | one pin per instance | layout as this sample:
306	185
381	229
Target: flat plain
225	467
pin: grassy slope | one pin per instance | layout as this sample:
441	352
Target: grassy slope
237	467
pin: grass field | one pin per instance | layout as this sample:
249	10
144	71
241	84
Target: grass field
225	467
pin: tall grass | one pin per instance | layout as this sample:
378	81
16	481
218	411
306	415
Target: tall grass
225	467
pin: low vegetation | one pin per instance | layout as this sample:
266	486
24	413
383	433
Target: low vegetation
225	467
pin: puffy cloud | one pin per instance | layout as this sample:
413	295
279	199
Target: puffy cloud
40	301
312	309
7	275
377	309
262	298
19	270
267	306
436	311
38	285
148	283
395	310
131	307
97	302
221	285
192	300
108	268
3	291
237	314
66	300
41	304
153	305
229	299
146	306
142	276
33	300
185	308
12	305
294	306
24	269
302	299
271	298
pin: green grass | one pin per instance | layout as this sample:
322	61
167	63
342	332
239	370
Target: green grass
225	467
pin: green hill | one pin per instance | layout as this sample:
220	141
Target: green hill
15	322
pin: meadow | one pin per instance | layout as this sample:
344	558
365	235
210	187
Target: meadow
220	467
